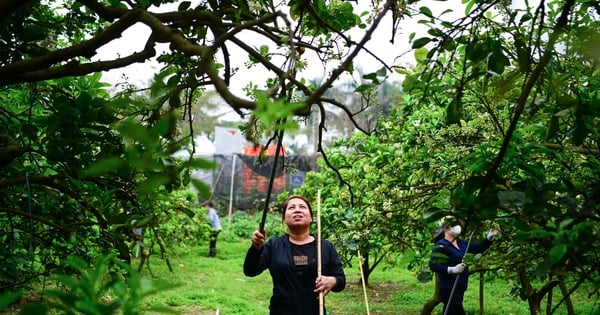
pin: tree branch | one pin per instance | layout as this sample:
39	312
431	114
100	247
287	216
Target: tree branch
32	216
8	7
62	62
561	23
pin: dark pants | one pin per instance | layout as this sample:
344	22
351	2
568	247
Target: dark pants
456	305
212	242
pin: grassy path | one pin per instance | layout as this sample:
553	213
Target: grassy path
208	284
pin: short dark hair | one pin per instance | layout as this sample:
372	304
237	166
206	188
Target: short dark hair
209	203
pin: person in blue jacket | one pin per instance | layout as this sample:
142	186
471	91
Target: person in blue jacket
215	228
292	262
446	261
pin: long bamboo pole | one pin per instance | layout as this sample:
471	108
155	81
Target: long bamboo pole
362	278
321	302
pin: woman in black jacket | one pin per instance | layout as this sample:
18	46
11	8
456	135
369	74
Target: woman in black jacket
292	262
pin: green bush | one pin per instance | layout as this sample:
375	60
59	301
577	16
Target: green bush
109	287
244	223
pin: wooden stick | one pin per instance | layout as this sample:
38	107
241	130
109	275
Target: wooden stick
362	277
321	302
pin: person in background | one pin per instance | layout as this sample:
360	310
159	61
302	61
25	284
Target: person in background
215	228
292	262
446	261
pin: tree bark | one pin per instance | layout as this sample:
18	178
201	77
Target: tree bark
549	299
533	298
433	301
365	268
567	297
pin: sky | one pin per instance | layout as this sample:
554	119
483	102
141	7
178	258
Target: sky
394	54
134	38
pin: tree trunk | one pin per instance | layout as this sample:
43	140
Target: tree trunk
533	299
567	297
549	299
433	301
365	268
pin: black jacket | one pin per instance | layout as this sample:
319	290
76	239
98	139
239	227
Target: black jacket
293	295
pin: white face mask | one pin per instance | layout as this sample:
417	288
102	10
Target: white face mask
455	230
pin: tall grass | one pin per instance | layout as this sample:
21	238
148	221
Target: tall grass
208	285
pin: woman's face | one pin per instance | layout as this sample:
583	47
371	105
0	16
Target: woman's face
297	213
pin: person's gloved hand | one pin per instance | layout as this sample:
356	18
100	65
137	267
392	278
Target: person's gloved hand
456	269
493	233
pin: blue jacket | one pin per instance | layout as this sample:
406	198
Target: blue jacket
213	216
293	294
446	255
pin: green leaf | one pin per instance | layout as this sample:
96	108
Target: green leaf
173	80
533	170
435	32
162	127
200	163
498	62
151	184
454	111
552	130
350	67
184	5
469	6
557	253
104	166
83	102
421	55
202	188
565	223
420	42
35	309
8	298
134	131
363	87
426	11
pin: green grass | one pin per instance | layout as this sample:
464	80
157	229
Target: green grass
207	284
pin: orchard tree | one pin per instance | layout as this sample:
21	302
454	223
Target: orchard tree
536	173
530	73
80	168
499	124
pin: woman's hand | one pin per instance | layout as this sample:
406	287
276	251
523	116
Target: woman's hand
258	239
324	284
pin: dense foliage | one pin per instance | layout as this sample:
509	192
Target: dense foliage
498	125
81	169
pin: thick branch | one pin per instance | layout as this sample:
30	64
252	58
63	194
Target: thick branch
22	180
48	66
335	74
50	182
7	7
31	216
561	23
